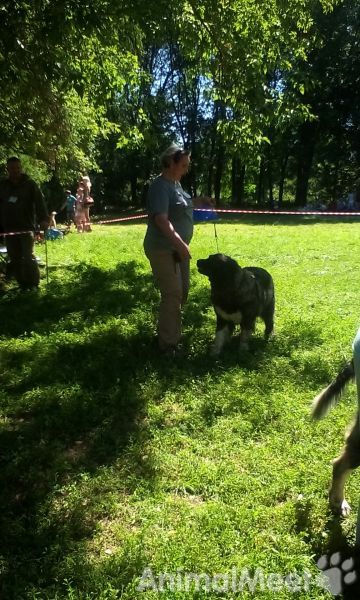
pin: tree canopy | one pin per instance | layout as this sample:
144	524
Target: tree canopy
265	93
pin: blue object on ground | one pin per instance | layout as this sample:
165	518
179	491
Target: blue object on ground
53	234
200	214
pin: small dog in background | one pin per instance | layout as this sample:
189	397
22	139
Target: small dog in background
349	459
239	296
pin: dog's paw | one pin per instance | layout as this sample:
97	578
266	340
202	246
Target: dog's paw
345	509
340	507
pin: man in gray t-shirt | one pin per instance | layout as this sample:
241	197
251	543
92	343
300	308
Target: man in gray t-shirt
166	243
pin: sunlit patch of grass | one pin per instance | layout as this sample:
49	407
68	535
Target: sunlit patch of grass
113	460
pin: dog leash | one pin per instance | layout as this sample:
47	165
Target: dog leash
46	259
216	237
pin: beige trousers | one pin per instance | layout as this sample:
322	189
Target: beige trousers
172	278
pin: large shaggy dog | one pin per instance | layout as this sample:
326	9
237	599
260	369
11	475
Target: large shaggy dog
349	459
239	296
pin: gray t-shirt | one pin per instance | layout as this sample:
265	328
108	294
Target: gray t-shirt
168	197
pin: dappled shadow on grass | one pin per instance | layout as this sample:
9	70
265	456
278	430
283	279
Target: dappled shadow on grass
71	424
87	293
76	405
72	405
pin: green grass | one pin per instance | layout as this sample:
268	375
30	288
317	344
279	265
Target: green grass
114	459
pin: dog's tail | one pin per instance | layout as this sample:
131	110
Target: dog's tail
331	395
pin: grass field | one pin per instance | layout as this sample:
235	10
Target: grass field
114	459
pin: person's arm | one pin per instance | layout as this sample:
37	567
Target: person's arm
162	222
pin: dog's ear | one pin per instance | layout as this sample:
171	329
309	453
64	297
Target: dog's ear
230	271
231	264
213	267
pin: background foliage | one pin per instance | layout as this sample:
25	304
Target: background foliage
266	95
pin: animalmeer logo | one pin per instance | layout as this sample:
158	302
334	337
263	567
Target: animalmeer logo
333	574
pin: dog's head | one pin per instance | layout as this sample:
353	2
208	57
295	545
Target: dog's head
219	268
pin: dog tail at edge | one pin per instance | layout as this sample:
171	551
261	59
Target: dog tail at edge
331	395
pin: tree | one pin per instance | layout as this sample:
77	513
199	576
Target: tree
54	58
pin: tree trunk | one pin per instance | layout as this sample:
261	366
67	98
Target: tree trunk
220	152
237	181
284	162
307	139
210	173
219	169
133	187
260	186
193	170
269	174
213	156
271	186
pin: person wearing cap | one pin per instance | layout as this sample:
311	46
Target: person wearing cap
22	208
167	239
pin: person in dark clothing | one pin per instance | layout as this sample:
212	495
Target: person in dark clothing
69	204
22	208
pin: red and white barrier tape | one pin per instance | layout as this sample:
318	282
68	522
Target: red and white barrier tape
283	212
221	211
248	212
16	233
144	215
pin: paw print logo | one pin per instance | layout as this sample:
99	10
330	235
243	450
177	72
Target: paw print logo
335	573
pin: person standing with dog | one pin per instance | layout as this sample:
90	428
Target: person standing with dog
22	209
167	239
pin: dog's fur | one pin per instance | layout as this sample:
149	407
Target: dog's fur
239	296
349	459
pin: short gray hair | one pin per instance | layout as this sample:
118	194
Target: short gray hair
174	152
